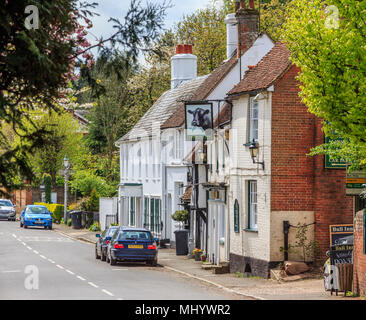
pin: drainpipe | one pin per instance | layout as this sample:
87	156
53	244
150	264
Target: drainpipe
286	228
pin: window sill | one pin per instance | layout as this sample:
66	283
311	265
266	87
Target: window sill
251	230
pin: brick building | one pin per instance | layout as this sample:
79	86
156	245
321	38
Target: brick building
285	184
359	254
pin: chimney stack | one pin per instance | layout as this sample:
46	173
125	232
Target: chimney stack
248	25
184	65
231	35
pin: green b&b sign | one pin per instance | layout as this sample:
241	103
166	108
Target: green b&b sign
334	163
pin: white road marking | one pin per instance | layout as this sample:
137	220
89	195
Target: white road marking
14	235
107	292
51	261
58	266
68	271
119	269
35	251
45	239
29	248
23	243
11	271
120	299
81	278
43	257
93	285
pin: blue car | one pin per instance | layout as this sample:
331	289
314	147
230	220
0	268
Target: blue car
103	241
36	216
132	244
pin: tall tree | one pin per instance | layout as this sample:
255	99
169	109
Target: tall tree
36	62
328	43
206	31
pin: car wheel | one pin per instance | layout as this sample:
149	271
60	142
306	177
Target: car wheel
113	262
107	258
21	224
25	227
97	256
152	263
102	256
50	227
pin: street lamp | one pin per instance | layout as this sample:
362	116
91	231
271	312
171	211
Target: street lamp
253	149
66	176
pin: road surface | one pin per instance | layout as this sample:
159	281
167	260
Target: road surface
42	264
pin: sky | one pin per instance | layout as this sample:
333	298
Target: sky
118	9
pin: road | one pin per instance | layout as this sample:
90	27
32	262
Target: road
43	264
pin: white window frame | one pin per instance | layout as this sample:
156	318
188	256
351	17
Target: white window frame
252	205
253	129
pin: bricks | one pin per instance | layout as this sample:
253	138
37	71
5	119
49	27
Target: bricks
359	258
300	182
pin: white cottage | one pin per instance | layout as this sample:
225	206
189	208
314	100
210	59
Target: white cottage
151	172
211	225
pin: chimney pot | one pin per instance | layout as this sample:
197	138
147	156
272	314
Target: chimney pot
188	49
184	65
179	49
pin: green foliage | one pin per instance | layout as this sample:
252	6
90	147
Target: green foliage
181	216
47	180
206	31
58	213
328	43
69	222
94	201
35	64
85	182
95	226
63	138
307	249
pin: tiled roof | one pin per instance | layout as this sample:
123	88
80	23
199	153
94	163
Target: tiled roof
224	116
213	79
272	66
186	196
162	109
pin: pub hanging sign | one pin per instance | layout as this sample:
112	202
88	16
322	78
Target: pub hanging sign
199	120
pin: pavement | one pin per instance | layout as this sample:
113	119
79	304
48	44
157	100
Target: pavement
253	288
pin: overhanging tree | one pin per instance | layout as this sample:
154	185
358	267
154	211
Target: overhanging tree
35	64
328	43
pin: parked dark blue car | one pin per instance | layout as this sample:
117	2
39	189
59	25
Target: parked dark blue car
132	244
103	241
36	216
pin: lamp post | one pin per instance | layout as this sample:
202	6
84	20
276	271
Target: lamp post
66	177
254	148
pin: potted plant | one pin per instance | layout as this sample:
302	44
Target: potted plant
203	257
197	254
181	236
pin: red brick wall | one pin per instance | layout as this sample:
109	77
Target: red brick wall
300	182
359	258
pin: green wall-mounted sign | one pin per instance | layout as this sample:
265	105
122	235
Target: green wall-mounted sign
334	163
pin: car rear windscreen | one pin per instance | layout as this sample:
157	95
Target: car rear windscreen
135	235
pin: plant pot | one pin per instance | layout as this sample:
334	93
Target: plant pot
203	258
197	256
